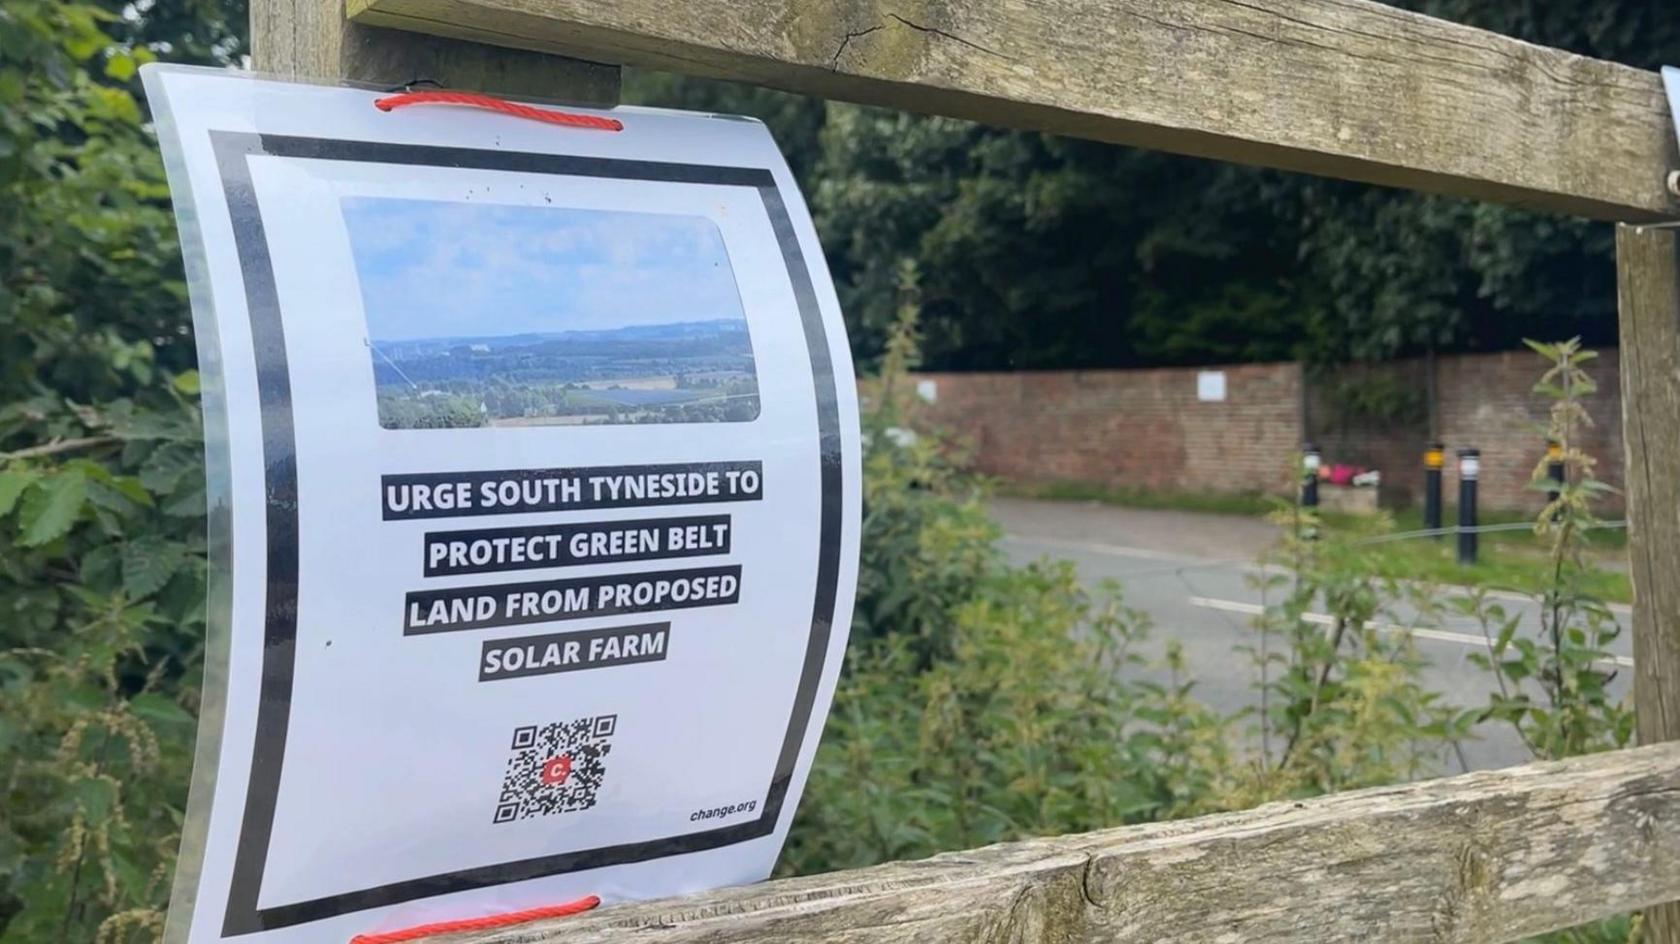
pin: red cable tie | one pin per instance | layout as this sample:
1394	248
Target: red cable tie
491	103
586	903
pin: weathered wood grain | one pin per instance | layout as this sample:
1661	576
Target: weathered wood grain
1648	285
312	39
1342	88
1483	858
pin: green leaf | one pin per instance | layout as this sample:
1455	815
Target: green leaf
114	500
186	383
1504	639
12	484
165	467
120	66
95	797
160	711
52	507
148	563
131	488
153	425
188	502
99	566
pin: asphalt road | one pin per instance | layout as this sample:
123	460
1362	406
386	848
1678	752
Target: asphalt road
1190	572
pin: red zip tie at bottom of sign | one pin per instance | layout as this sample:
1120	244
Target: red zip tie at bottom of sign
491	103
485	923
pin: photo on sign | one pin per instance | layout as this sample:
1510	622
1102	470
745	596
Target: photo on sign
482	315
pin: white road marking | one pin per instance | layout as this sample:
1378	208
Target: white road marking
1117	550
1126	551
1325	619
1141	553
1620	609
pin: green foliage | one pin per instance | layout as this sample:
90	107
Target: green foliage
998	702
1623	929
1046	252
1379	399
1502	565
927	541
101	481
1341	705
981	702
1566	660
1024	728
1253	504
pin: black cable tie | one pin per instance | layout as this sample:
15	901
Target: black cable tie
411	83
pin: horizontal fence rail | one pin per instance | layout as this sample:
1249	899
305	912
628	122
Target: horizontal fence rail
1341	88
1485	857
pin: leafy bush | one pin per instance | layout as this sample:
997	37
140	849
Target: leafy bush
1026	728
927	542
1341	704
101	487
980	701
102	572
1565	658
1022	724
984	702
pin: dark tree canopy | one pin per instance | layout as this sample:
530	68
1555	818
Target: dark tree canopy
1044	252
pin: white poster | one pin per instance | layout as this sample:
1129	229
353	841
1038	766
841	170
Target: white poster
534	499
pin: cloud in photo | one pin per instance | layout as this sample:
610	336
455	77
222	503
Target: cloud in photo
438	269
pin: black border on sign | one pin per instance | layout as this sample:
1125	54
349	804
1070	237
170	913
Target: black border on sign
233	151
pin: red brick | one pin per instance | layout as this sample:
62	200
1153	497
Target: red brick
1146	428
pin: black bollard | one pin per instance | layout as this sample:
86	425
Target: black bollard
1469	467
1310	461
1554	471
1433	458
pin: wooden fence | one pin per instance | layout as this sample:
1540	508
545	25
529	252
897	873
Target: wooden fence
1484	857
1342	88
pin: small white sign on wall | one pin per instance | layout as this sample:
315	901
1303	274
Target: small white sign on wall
1210	386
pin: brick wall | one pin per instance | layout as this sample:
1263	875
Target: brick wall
1394	446
1148	429
1486	402
1128	428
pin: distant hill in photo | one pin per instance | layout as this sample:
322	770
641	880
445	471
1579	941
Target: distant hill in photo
688	371
725	329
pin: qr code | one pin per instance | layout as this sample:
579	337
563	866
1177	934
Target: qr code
555	768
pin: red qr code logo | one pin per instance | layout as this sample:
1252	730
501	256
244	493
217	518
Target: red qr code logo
555	768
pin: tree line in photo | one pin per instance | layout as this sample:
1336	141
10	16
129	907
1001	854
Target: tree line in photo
693	371
455	405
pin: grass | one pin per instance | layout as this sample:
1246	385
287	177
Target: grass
1249	504
1514	559
1507	560
1411	519
1501	565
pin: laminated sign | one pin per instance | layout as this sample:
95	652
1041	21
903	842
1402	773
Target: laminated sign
533	459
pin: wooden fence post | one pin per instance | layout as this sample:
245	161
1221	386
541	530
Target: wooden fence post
1339	88
1648	290
314	39
1478	859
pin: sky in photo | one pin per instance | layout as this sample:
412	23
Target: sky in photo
432	269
